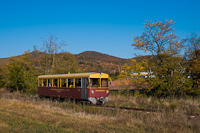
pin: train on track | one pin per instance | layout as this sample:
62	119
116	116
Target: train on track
85	87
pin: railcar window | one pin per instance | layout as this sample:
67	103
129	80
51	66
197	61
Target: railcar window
94	82
63	82
44	83
70	83
49	82
104	82
55	83
78	83
40	83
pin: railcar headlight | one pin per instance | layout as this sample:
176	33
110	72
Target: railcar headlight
92	92
107	91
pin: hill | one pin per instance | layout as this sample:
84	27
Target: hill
95	61
3	61
89	61
98	55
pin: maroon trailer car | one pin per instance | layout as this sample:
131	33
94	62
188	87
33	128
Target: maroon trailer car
91	87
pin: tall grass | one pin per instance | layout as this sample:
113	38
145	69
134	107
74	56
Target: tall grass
25	114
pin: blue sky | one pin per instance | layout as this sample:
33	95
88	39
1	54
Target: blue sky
104	26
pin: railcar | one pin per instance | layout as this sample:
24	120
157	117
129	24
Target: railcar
87	87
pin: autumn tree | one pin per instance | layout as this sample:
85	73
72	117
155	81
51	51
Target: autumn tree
192	46
131	74
2	76
50	61
158	38
21	74
165	63
51	47
192	55
65	62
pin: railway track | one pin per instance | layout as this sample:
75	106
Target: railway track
133	109
190	115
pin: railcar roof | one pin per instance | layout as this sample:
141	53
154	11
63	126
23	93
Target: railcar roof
75	75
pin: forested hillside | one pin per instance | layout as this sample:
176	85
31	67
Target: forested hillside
3	61
95	61
88	61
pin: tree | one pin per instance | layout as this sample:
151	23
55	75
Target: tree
21	74
65	62
192	55
50	61
132	73
192	46
159	39
3	78
51	47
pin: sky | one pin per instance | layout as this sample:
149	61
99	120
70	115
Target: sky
104	26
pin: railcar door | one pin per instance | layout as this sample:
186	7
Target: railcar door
84	88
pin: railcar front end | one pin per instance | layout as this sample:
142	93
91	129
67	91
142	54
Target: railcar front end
98	96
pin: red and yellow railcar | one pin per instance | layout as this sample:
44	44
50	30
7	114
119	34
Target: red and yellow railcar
92	87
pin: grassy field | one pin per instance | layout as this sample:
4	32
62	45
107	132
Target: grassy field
24	114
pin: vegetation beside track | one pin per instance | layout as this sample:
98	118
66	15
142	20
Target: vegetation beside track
25	114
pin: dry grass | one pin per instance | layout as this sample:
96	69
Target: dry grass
24	114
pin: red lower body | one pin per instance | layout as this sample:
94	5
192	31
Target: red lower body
75	93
